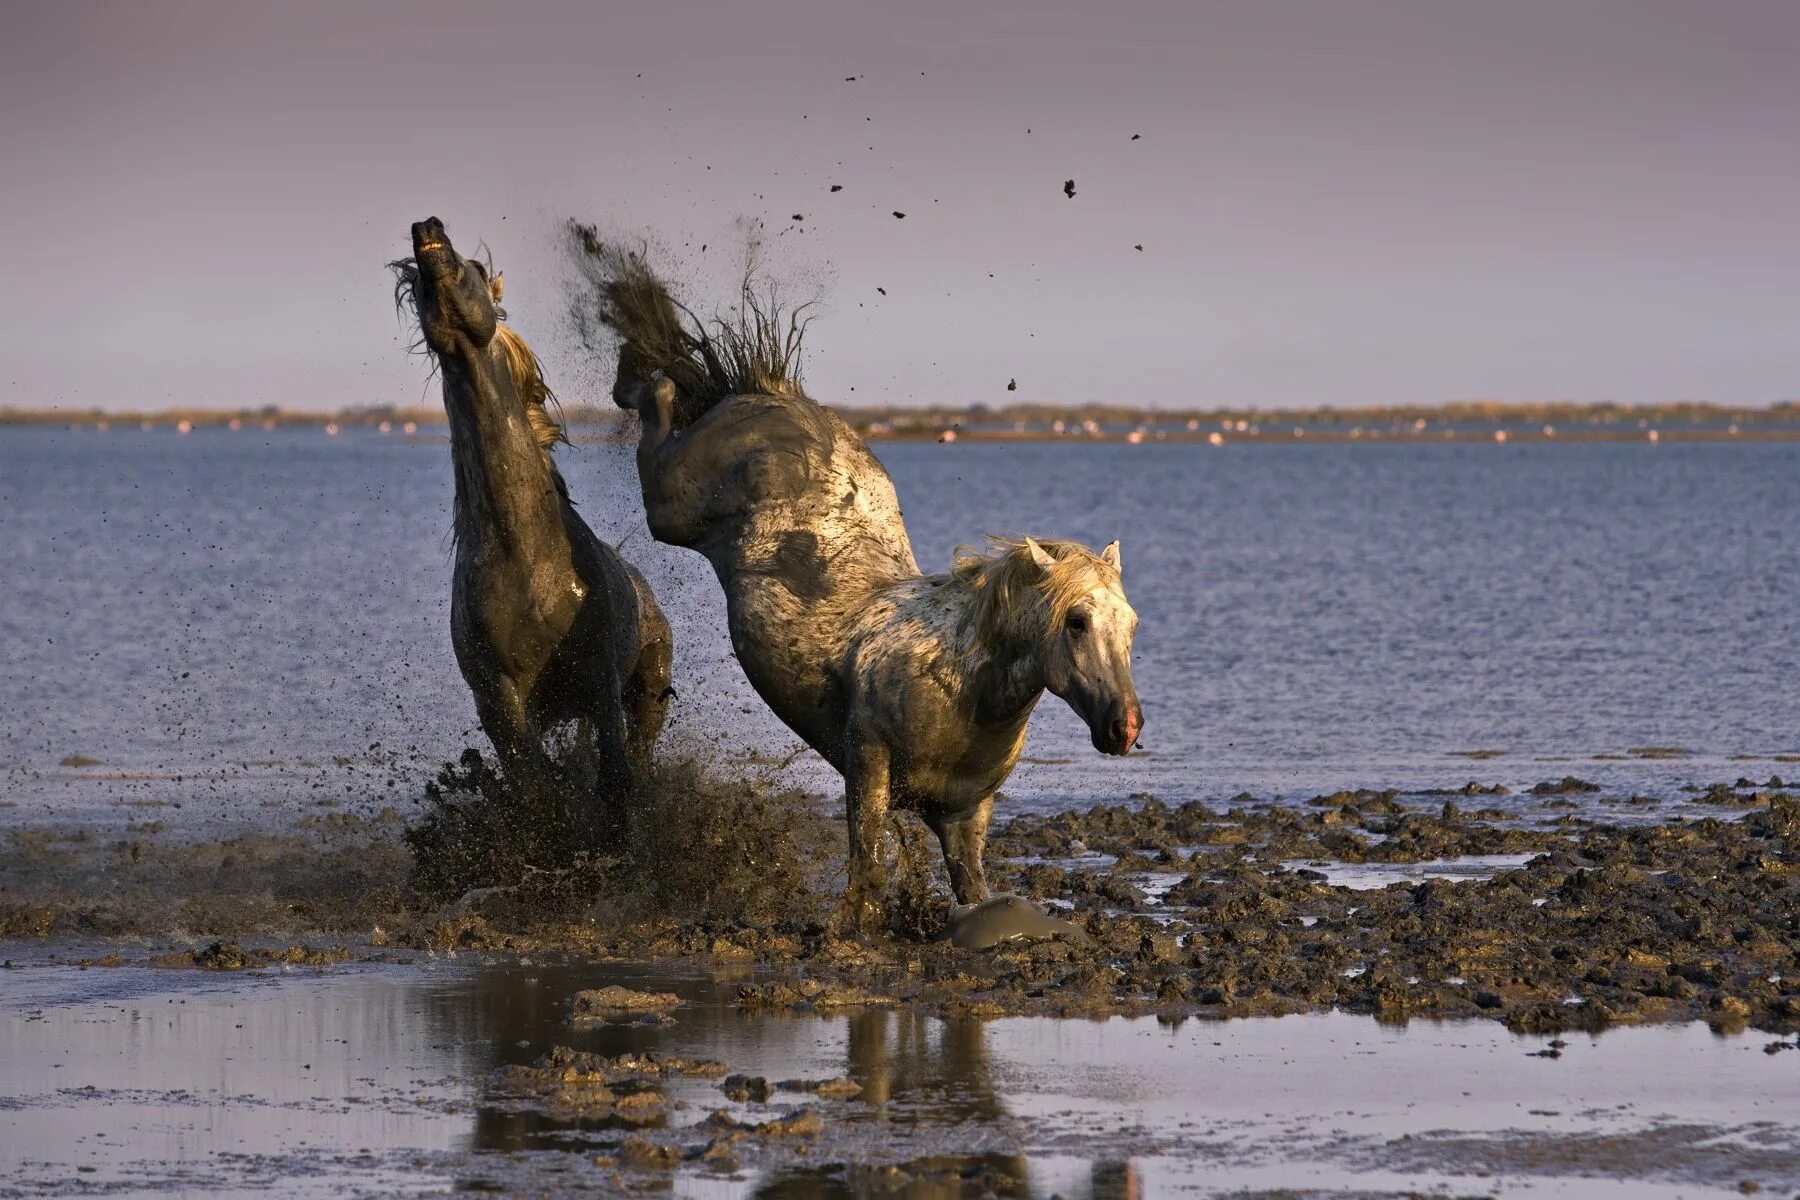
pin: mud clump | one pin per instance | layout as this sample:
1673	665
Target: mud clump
224	956
229	956
809	993
1568	785
745	1087
598	1004
840	1088
568	1083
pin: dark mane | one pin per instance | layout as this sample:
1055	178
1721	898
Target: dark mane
753	349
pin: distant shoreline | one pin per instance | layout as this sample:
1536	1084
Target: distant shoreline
1454	423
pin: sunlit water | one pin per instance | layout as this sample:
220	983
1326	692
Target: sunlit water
267	613
365	1080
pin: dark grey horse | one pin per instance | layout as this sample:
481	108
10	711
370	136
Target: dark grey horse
549	623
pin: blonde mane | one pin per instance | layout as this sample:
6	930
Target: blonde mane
528	380
1005	578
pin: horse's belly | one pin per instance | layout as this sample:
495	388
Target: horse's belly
932	780
945	791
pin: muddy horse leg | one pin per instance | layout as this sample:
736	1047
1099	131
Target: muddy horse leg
612	739
516	744
963	836
648	691
866	798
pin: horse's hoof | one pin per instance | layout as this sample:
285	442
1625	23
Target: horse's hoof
985	925
859	921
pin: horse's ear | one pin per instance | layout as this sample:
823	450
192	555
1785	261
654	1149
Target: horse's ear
497	289
1039	555
1111	555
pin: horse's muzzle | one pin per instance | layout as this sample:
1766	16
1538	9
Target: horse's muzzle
1120	731
431	245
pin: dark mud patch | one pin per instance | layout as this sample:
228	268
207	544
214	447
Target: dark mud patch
1181	911
336	874
1193	911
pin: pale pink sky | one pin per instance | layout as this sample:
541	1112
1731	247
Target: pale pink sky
1338	202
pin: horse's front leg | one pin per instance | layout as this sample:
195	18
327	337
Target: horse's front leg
517	742
963	836
649	679
866	796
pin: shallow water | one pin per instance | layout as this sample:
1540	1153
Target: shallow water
228	619
373	1080
1365	877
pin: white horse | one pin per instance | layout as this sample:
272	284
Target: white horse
917	688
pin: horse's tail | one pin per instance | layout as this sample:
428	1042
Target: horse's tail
754	349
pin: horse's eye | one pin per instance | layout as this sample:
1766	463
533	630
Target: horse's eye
1077	623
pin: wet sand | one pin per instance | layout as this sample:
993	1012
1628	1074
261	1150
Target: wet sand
389	1079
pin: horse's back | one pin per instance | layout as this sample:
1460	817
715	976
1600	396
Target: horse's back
779	468
802	525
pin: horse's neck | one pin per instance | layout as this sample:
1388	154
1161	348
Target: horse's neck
1003	678
507	497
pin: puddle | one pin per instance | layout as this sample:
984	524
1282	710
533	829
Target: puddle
1368	877
377	1080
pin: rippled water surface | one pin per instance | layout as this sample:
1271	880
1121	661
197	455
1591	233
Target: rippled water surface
240	607
378	1081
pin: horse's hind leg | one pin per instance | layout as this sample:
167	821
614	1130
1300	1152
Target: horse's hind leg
612	744
866	798
964	839
648	691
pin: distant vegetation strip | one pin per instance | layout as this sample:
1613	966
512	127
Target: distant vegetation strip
1095	422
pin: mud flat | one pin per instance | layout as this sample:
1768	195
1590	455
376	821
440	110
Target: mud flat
1562	922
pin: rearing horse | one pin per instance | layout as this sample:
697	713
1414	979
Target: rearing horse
917	688
549	622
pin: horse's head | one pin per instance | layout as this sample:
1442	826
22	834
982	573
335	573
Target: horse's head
457	302
1087	654
1071	603
458	305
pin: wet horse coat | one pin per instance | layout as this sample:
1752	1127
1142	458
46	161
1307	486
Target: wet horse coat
918	689
549	623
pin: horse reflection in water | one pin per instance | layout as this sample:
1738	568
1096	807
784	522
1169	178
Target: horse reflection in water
917	1072
916	688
